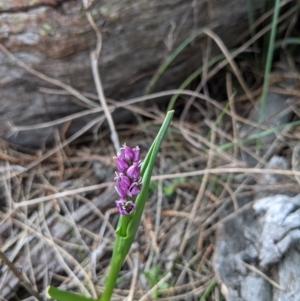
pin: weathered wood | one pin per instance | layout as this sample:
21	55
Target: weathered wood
55	38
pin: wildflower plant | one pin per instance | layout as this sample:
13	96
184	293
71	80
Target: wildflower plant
132	184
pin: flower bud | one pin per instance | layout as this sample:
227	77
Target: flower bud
125	207
134	189
122	165
123	184
137	153
121	192
127	153
134	171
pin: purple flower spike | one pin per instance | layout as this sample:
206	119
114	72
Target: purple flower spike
137	154
125	207
134	171
134	189
127	153
122	165
128	178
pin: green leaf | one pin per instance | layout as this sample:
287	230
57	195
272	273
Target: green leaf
60	295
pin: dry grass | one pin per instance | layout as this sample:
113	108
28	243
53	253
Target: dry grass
57	214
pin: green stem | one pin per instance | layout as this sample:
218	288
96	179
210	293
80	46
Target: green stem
114	269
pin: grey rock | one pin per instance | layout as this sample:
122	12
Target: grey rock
266	236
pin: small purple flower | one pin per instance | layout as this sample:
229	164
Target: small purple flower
122	165
127	153
123	184
125	207
134	189
137	154
134	171
122	179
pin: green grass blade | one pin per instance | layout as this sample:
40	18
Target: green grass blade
250	10
258	135
60	295
218	120
171	58
209	289
269	61
192	77
250	14
147	172
287	41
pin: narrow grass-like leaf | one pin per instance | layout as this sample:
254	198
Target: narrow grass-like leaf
171	58
60	295
218	120
192	77
250	10
287	41
269	61
258	135
209	289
